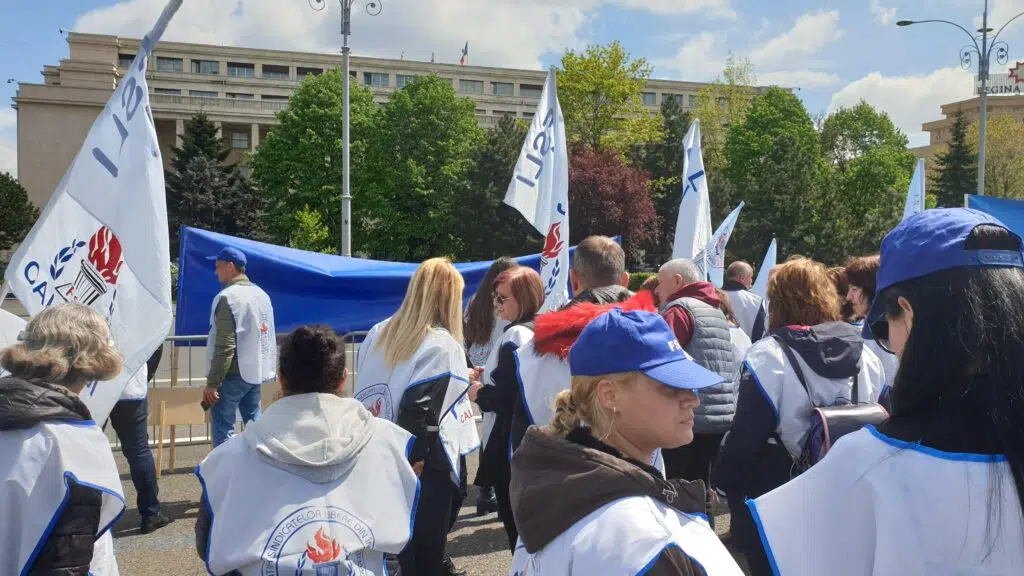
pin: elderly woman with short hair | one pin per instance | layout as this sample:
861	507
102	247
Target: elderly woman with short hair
58	481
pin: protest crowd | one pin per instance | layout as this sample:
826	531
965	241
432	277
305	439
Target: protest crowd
858	420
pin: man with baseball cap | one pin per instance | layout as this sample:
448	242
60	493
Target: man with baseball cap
584	485
241	352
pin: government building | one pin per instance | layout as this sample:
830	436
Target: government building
240	89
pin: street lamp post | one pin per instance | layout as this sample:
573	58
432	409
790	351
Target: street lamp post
373	9
984	53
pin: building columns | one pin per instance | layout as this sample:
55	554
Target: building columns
254	141
219	126
179	133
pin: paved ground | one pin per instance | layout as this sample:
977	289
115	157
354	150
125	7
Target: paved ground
477	544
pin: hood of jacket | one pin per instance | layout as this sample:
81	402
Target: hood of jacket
832	350
557	481
703	291
555	332
315	436
25	403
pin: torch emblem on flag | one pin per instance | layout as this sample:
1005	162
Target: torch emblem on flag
98	270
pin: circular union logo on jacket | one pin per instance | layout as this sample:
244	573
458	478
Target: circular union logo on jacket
377	399
318	541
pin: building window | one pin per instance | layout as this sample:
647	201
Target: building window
471	86
205	67
169	65
377	79
402	80
167	91
503	113
241	70
240	140
650	99
677	98
125	60
274	98
303	72
693	100
480	112
202	93
240	96
503	88
271	72
530	90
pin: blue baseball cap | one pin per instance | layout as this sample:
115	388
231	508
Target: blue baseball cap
636	341
230	255
932	241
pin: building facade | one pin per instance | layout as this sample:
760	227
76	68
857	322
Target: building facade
240	89
940	131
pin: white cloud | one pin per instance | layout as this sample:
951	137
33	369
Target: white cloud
718	8
500	32
700	58
999	13
809	34
882	15
909	100
798	79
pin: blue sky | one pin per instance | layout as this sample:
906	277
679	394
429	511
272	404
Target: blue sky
835	51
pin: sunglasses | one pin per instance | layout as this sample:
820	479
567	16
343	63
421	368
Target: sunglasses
880	330
499	299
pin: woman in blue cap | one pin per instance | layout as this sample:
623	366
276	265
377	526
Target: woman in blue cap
939	487
585	496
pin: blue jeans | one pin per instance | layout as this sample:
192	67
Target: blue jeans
235	394
129	421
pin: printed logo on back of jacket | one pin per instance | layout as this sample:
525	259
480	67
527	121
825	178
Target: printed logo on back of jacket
322	532
377	399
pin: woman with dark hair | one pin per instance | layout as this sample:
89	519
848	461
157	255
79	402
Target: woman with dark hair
939	487
860	275
484	328
811	360
837	274
316	484
518	296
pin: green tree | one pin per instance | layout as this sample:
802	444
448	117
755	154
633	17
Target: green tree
956	168
299	166
866	188
311	233
774	160
722	104
1004	155
601	94
663	161
200	140
489	228
418	165
17	214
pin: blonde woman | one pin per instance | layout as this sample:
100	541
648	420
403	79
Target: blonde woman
585	499
59	485
412	371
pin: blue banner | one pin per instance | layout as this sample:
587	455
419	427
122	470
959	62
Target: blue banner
348	294
1009	212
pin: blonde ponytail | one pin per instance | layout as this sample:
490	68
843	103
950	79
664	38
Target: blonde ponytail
579	405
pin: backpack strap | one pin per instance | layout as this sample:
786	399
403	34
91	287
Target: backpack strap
791	356
856	394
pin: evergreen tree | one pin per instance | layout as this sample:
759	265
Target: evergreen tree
17	214
956	168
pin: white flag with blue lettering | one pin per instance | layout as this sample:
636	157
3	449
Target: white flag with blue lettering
693	226
539	190
102	238
714	255
915	194
760	287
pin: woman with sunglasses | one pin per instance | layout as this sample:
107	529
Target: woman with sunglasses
860	274
939	487
518	296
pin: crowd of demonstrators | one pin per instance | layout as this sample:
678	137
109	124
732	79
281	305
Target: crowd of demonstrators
860	274
241	352
59	485
518	296
483	329
811	359
413	371
311	450
691	307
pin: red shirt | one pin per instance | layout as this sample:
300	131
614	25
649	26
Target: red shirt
679	318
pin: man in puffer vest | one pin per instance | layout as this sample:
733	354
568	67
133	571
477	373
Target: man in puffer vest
691	308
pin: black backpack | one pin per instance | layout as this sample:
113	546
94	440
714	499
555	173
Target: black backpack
830	423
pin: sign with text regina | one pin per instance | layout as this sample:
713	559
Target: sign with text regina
539	190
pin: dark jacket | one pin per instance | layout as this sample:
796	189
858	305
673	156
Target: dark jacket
603	295
557	482
69	547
